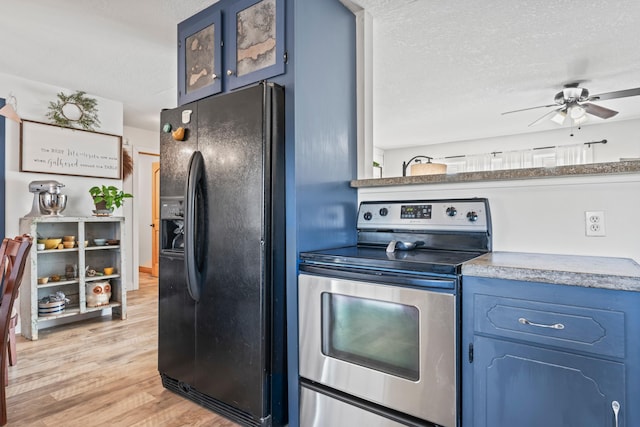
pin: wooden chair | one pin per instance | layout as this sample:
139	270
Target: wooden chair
11	345
13	257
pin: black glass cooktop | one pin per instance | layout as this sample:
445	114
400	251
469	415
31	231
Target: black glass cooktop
417	260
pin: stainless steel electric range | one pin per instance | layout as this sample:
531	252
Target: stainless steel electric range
379	322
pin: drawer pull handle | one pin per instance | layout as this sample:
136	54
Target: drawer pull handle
540	325
616	408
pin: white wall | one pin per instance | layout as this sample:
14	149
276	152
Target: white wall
543	215
33	100
623	141
546	215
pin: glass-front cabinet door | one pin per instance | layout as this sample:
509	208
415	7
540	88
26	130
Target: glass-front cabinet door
255	41
200	56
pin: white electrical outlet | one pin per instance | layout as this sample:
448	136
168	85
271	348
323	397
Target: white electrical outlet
594	223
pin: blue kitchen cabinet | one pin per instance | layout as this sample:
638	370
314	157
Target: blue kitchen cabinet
228	45
200	55
540	354
255	41
522	385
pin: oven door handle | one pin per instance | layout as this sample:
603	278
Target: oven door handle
380	276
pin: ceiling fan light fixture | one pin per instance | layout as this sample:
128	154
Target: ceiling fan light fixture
580	120
559	117
577	112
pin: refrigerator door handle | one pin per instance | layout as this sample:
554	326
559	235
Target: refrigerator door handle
193	218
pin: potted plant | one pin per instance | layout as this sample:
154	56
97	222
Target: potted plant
107	198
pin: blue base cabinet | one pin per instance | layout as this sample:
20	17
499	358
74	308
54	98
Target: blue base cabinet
521	385
549	355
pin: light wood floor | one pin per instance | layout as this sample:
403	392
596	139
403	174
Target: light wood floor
100	372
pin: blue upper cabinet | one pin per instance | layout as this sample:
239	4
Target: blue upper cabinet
229	45
255	41
200	55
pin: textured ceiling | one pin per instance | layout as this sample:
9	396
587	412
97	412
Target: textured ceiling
443	70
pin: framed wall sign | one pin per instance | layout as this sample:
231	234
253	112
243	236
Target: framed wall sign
46	148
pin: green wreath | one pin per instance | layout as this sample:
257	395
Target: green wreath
74	110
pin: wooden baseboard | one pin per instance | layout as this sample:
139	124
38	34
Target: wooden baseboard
144	270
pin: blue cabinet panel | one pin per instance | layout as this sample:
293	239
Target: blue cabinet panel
254	41
200	55
526	386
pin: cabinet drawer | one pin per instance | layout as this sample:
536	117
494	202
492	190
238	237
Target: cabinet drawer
561	325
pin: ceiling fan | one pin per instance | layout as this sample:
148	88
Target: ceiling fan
575	102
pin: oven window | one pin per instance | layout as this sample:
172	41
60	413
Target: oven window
377	334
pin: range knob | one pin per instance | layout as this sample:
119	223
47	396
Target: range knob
472	216
452	211
384	211
367	216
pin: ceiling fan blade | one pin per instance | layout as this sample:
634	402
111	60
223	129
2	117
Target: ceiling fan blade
545	116
596	110
530	108
616	94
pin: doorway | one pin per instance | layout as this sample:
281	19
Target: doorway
145	199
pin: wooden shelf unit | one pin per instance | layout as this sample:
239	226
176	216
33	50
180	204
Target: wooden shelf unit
45	263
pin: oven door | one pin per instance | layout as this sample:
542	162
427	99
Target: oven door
391	345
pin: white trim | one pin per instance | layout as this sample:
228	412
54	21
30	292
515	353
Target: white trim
364	88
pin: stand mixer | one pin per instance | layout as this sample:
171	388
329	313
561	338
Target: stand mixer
47	199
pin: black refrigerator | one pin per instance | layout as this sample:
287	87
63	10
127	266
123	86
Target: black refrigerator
221	306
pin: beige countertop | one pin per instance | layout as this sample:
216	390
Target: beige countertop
611	168
574	270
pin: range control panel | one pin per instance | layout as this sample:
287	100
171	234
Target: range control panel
450	215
